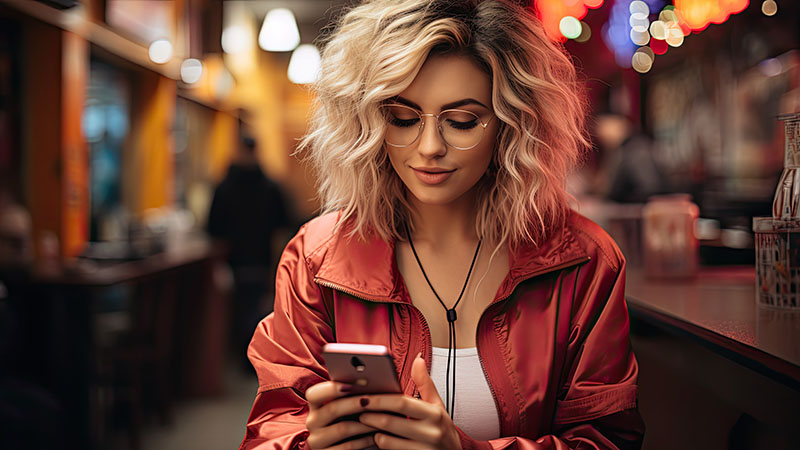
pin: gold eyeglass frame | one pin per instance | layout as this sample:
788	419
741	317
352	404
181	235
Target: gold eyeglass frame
421	125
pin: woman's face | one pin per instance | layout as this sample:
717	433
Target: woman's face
434	172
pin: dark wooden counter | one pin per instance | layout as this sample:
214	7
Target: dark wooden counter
716	371
63	350
718	309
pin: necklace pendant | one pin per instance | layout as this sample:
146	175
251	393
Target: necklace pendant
451	315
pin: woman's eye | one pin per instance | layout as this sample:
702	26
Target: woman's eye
403	123
459	125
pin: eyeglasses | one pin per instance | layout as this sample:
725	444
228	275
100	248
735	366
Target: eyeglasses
458	128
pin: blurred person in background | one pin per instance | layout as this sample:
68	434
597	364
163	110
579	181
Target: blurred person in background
629	171
443	133
246	211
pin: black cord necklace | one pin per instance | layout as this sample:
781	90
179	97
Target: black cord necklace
450	402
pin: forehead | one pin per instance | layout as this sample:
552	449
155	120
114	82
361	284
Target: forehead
444	79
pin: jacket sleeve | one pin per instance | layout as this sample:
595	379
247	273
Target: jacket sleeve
597	406
286	353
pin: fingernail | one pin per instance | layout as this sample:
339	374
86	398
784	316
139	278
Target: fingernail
346	388
364	402
419	355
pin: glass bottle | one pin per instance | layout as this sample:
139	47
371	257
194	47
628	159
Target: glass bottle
786	203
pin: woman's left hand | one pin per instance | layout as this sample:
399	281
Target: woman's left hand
427	426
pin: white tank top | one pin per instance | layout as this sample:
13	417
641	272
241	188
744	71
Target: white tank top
475	409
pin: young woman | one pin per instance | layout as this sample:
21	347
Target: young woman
443	134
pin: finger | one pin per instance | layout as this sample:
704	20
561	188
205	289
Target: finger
385	441
327	436
335	409
321	393
359	444
416	430
427	390
402	405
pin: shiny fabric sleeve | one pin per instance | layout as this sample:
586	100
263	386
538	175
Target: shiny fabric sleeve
286	353
597	406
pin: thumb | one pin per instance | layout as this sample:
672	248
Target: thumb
427	390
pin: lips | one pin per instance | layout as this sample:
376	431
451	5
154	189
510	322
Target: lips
432	175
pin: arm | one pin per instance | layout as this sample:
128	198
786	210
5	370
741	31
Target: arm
286	353
596	407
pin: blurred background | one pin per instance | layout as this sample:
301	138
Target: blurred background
147	185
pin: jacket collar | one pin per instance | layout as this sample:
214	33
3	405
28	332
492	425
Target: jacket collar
368	268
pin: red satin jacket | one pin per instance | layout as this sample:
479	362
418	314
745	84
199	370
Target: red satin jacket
554	342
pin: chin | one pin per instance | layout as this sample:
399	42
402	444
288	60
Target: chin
435	196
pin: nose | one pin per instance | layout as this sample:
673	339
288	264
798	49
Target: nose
431	143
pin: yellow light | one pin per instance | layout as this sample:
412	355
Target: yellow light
586	33
769	7
642	60
668	15
658	30
674	34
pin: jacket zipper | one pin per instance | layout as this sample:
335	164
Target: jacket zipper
519	280
425	327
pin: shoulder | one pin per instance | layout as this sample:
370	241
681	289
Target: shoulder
315	238
593	240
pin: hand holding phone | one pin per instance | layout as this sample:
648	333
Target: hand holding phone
334	406
369	369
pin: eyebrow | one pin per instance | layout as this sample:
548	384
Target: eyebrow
451	105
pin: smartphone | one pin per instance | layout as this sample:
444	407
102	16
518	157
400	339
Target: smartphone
368	368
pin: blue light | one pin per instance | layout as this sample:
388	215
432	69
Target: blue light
617	31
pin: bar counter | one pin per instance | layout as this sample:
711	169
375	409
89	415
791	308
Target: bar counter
716	370
177	330
718	309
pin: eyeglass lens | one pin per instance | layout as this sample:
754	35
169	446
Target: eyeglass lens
459	129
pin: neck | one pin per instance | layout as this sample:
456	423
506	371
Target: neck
444	225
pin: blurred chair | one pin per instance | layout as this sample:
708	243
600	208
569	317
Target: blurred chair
138	365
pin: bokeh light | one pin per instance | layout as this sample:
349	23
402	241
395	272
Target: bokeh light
769	8
191	71
570	27
236	39
640	37
674	34
160	51
658	30
639	7
659	46
642	60
586	33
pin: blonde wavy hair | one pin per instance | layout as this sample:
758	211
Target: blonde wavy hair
374	54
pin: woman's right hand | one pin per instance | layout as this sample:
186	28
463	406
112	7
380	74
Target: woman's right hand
327	402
